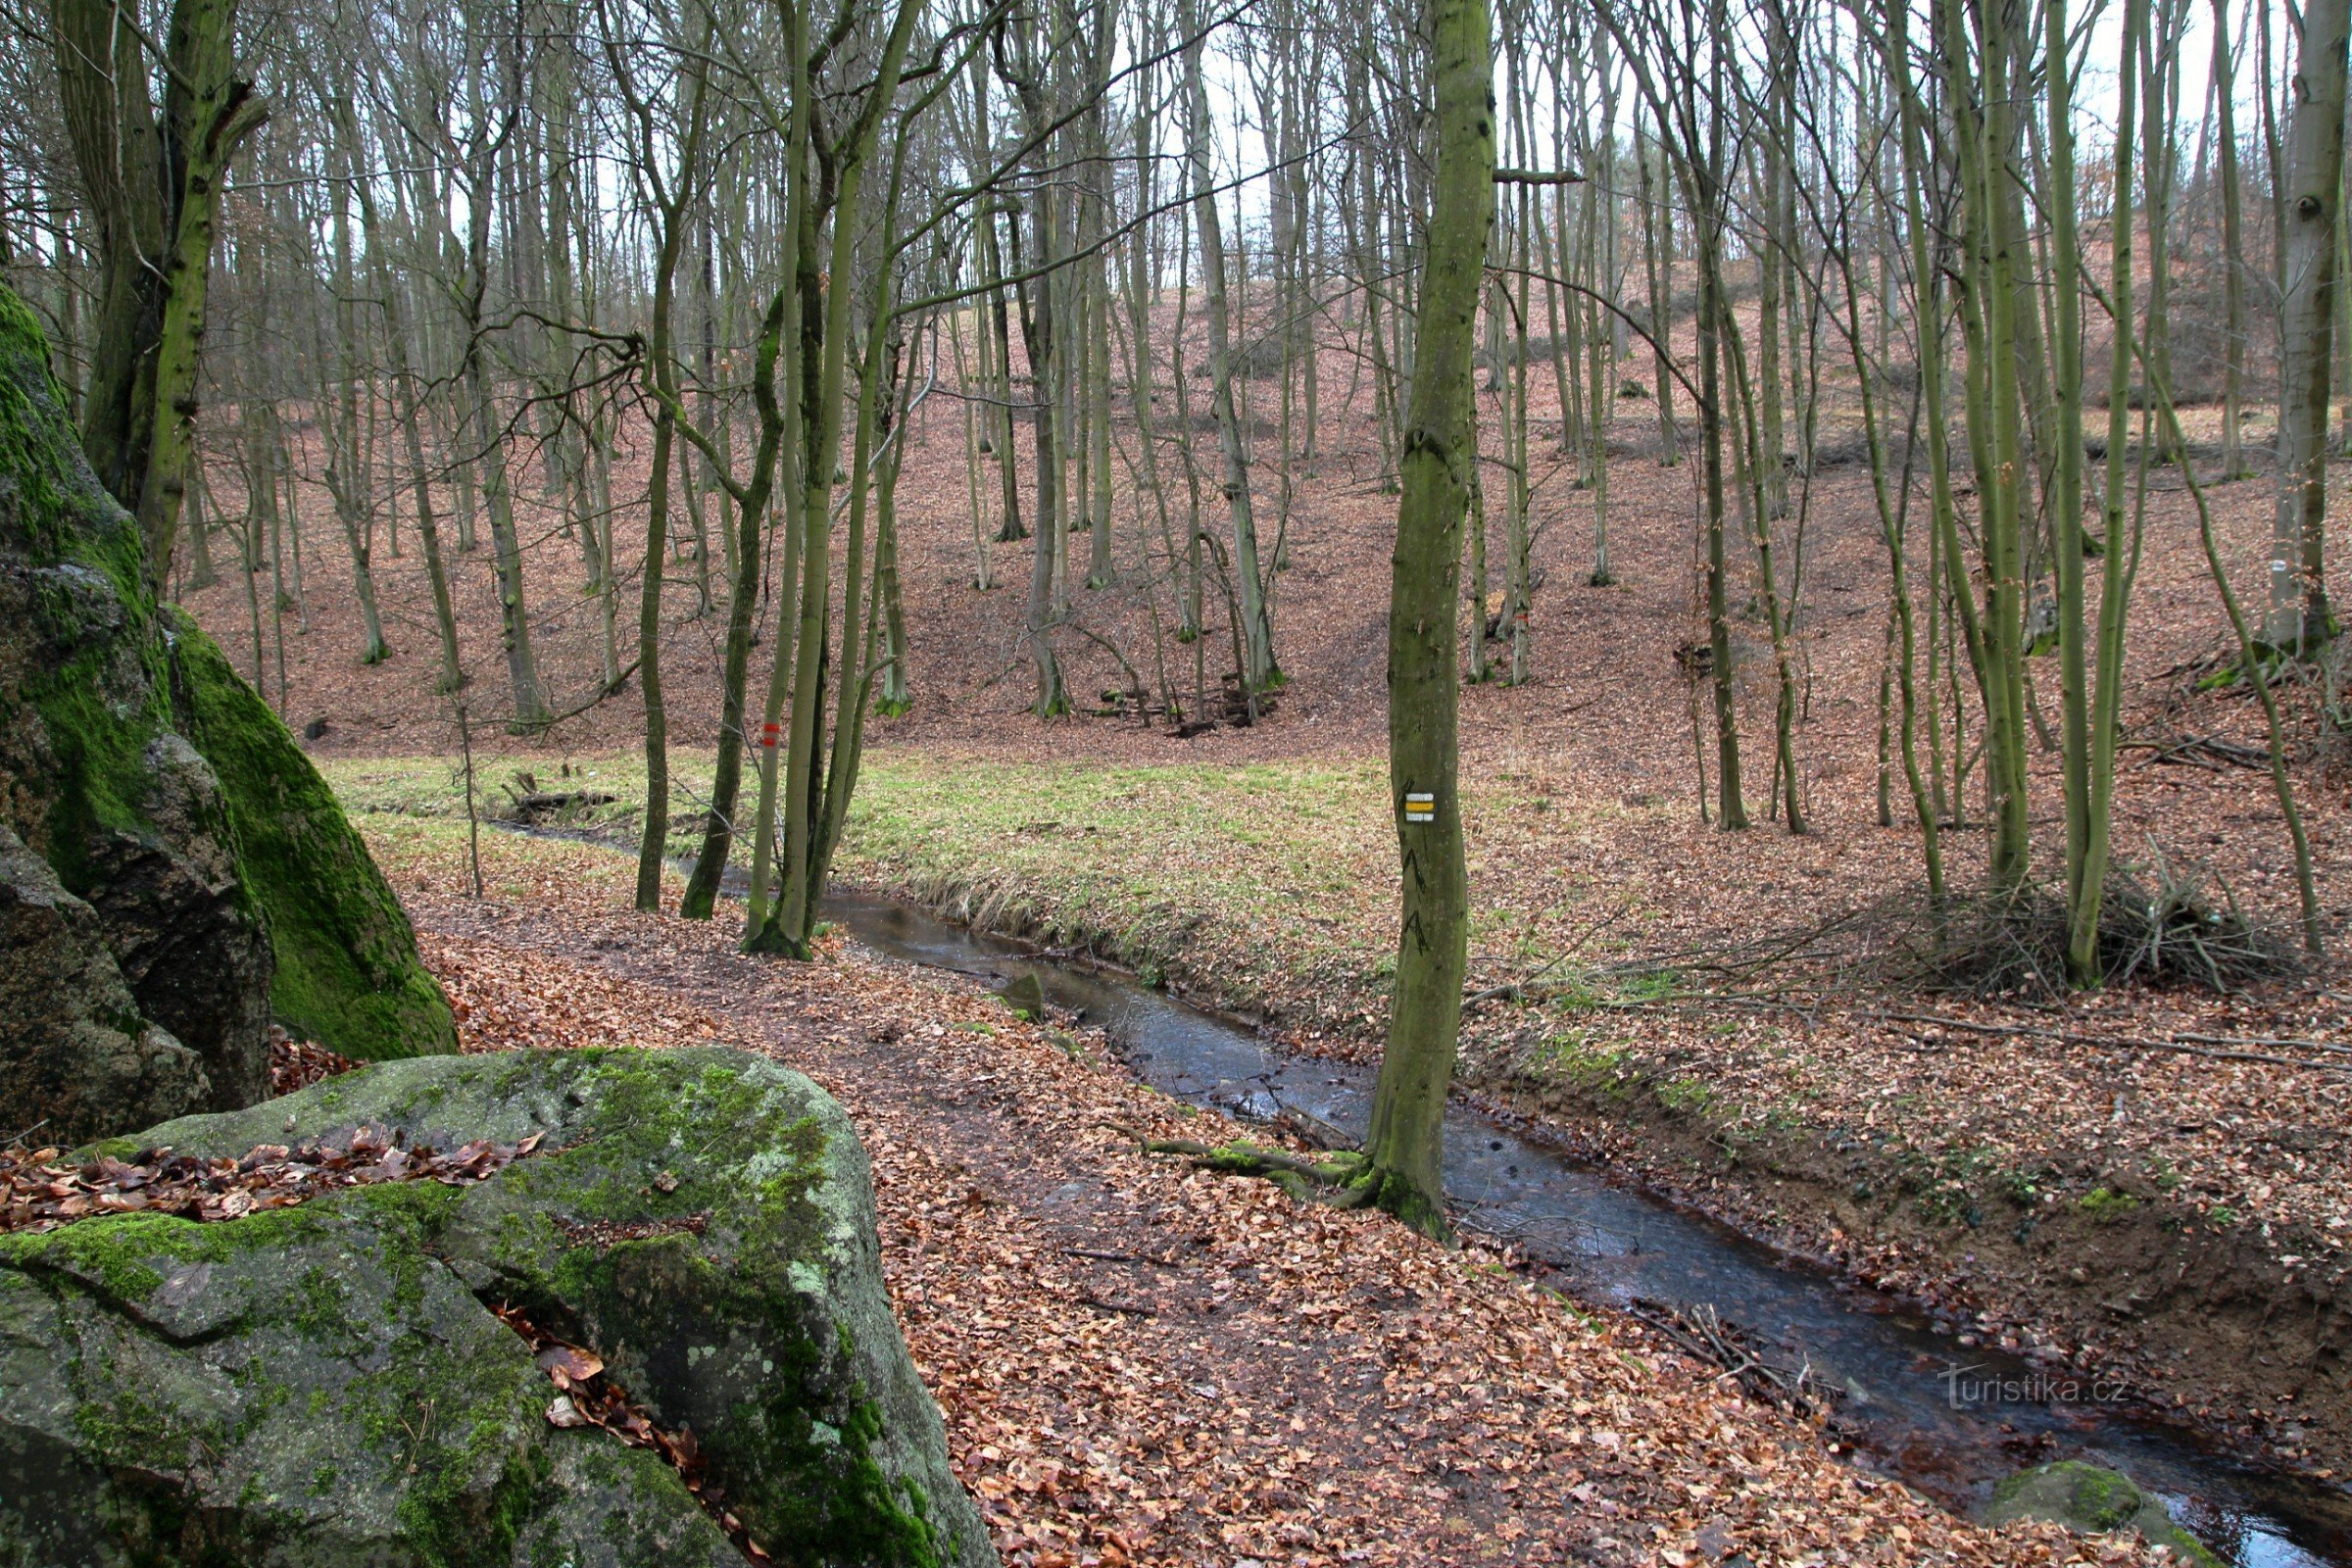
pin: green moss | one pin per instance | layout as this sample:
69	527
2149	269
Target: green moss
95	691
440	1469
318	1304
129	1428
119	1251
57	513
2106	1204
111	673
798	1461
440	1411
2090	1499
1686	1095
115	1253
348	975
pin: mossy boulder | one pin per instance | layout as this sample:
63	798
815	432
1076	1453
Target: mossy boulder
166	797
2093	1501
1025	995
328	1384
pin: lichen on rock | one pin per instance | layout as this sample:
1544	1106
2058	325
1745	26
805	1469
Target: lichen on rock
328	1383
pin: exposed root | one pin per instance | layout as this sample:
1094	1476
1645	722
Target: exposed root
1341	1179
1338	1179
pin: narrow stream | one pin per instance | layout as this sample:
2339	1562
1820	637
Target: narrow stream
1614	1244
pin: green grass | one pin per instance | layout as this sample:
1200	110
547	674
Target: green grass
1266	885
1248	883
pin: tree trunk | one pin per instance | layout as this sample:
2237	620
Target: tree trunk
154	182
1260	673
1406	1148
2299	615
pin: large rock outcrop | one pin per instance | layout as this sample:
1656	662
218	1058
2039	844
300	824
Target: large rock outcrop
225	882
327	1385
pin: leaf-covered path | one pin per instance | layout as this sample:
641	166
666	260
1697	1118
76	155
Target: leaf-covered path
1142	1364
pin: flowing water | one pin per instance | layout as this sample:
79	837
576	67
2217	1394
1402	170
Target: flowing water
1949	1420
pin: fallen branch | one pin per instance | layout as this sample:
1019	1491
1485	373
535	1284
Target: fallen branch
2209	752
1119	1257
1698	1332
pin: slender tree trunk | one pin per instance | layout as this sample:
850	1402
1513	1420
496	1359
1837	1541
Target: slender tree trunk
2233	253
701	896
1406	1148
1260	673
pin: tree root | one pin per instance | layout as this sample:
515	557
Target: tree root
1341	1180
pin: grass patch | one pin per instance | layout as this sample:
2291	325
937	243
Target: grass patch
1685	1096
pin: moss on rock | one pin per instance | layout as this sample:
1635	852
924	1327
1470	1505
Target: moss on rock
348	975
701	1218
2092	1500
224	875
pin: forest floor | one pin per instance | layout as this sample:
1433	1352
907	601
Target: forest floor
1144	1365
1735	1018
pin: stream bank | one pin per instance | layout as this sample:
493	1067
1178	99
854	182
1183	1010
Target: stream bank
1532	1169
2235	1328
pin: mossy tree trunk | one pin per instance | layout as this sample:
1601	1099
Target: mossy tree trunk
152	181
1406	1146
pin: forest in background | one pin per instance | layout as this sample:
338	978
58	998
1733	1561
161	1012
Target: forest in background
526	325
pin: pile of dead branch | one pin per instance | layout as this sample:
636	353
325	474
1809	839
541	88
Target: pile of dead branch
1699	1332
2158	927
